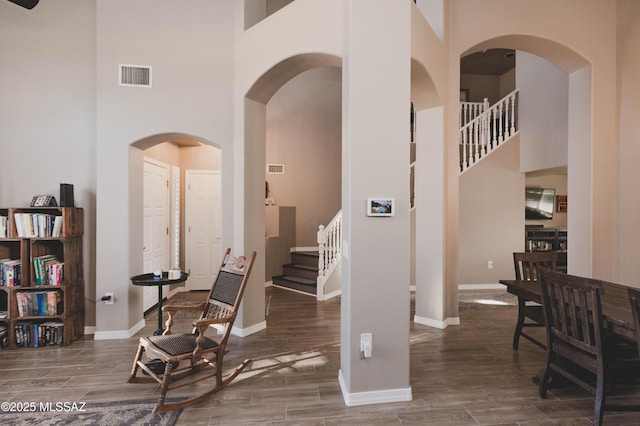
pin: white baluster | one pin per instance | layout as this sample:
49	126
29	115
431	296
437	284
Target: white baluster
500	124
507	118
513	114
321	250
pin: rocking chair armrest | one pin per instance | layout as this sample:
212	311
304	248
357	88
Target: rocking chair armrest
210	321
176	308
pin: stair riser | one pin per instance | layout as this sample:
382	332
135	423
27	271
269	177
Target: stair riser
304	259
297	272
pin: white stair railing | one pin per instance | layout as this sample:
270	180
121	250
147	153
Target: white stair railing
470	110
329	250
484	133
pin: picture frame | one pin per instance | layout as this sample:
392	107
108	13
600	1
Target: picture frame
464	95
561	203
43	201
380	206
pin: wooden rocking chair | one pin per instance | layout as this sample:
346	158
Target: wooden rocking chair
182	357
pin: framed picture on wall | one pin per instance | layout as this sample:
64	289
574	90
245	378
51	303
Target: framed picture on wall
561	203
380	207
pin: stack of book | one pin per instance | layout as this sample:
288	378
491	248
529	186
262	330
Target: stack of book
33	335
10	272
39	225
38	303
47	270
4	226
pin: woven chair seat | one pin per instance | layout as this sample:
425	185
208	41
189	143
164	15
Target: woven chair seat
178	344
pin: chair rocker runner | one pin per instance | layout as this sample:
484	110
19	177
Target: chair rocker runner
185	356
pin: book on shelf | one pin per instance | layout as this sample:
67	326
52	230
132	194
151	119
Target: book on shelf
4	226
38	303
47	270
38	225
33	334
10	272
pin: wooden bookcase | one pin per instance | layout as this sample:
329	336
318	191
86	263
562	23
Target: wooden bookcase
538	238
62	318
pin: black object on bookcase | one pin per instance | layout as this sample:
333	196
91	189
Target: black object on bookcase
28	4
66	195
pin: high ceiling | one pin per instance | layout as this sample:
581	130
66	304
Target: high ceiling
488	62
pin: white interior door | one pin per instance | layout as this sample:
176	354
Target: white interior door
156	223
202	225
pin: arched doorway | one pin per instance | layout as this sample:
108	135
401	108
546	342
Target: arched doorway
178	153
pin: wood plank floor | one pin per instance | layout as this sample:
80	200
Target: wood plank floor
464	375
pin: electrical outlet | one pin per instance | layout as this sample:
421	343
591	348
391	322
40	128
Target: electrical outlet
366	344
110	299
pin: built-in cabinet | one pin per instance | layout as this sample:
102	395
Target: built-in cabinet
41	277
539	238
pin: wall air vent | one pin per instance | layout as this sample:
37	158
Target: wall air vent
135	75
275	169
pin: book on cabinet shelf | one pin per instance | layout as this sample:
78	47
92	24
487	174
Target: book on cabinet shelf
47	270
34	334
42	225
10	272
38	303
4	226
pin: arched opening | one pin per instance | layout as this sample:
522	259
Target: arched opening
163	215
549	150
255	142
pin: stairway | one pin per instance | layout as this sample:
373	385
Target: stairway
301	274
484	128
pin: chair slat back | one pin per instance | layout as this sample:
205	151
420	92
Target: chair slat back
572	309
634	298
227	290
526	263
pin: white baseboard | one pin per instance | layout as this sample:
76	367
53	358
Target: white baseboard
119	334
243	332
435	323
89	329
373	397
332	295
463	287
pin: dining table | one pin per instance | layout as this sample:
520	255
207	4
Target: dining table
616	308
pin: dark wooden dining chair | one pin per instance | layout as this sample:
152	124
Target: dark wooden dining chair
526	268
180	360
575	334
626	363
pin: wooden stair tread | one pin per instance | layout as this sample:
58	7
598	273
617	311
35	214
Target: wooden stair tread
305	267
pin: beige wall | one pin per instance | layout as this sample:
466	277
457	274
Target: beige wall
491	216
543	113
47	112
628	173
